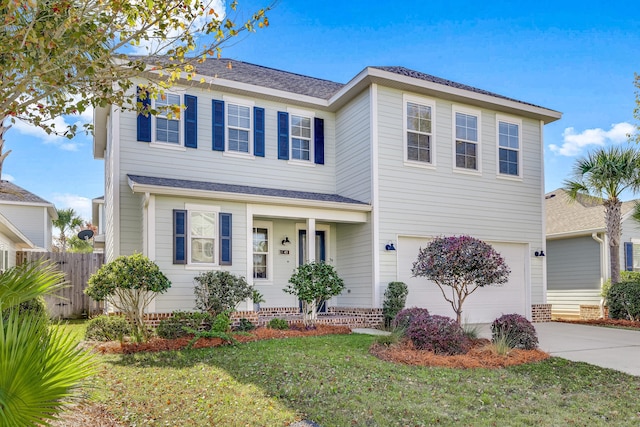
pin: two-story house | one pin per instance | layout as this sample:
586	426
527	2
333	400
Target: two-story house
261	159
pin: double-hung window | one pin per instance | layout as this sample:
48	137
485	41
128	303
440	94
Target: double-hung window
203	225
262	250
239	128
300	138
467	140
418	131
509	147
167	129
201	236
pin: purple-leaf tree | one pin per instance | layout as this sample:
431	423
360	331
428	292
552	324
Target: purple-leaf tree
462	263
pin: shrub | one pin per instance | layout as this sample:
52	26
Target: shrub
220	328
462	263
129	283
404	317
176	326
245	325
624	300
439	334
278	324
218	291
515	330
107	328
313	283
394	299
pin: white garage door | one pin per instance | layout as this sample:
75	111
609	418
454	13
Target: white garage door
485	304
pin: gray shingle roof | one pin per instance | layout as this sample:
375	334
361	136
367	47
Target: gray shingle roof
9	192
428	77
244	72
584	214
240	189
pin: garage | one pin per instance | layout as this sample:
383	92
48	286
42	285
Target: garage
485	304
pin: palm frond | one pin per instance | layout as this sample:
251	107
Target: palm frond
28	281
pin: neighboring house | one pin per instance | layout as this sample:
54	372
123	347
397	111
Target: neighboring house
29	214
11	240
260	159
577	251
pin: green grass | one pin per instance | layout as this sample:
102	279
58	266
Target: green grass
74	327
334	381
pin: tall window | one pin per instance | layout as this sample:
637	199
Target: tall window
168	119
509	148
300	138
418	132
260	252
466	141
202	236
239	128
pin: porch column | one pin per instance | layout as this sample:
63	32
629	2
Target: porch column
311	240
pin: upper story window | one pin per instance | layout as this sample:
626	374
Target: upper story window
167	128
239	128
467	145
418	131
509	147
300	138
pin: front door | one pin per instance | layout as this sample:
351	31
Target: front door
320	256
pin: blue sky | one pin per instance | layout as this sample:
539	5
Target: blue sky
574	57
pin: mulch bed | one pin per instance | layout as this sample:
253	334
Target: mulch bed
160	344
618	323
481	355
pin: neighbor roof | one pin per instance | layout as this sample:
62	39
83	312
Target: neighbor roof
239	189
585	214
9	192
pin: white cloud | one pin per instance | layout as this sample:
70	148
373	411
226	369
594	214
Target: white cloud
155	46
82	205
574	143
7	177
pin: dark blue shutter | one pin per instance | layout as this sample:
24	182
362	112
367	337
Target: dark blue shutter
225	239
628	256
258	131
191	121
318	139
144	122
283	135
179	236
218	125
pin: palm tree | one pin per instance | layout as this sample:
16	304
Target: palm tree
605	174
67	221
41	368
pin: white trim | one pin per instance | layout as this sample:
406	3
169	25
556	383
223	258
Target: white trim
167	146
512	121
115	181
544	212
249	243
239	103
151	227
375	196
303	114
328	215
180	119
326	228
269	226
469	112
423	102
190	208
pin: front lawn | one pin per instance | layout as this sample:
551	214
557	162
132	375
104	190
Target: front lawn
334	381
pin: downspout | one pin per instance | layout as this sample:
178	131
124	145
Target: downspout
595	237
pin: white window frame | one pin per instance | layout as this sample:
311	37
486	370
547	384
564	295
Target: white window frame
457	109
512	121
180	119
305	114
228	101
191	208
424	102
268	225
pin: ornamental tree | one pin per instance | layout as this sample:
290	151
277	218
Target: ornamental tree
313	283
219	291
462	263
61	57
129	283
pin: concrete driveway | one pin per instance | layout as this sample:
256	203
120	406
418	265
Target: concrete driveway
617	349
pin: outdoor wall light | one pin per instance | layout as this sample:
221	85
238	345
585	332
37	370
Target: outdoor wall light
286	241
389	247
539	253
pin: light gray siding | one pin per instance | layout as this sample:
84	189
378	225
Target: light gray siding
30	220
573	273
354	264
417	201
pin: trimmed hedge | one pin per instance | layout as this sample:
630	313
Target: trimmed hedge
439	334
516	330
406	316
623	300
107	328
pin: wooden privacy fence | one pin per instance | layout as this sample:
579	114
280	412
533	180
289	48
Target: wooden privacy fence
71	301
